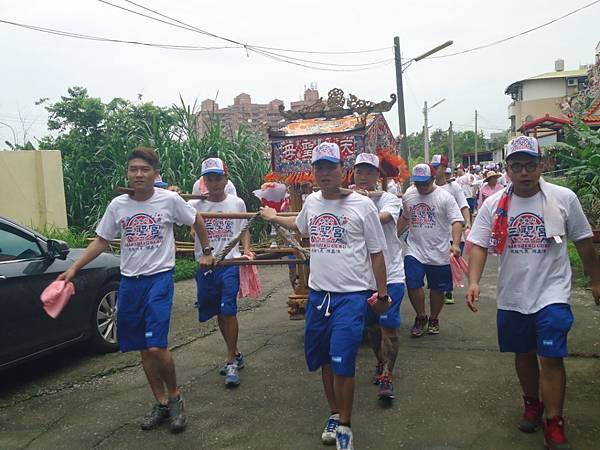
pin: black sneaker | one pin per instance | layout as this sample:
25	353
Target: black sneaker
177	413
158	415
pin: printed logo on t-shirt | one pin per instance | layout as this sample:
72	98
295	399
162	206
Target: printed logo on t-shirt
527	234
142	231
219	229
328	233
422	216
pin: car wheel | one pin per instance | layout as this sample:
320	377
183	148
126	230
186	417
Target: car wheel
104	319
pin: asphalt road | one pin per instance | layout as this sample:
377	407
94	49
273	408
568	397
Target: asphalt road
454	391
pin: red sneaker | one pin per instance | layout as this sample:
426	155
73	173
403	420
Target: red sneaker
554	434
532	416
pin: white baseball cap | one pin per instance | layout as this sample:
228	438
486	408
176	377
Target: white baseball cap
327	151
524	144
213	165
367	158
421	173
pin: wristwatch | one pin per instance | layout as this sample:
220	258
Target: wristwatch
207	251
383	298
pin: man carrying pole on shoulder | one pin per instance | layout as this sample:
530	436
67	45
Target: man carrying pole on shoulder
382	329
346	239
145	221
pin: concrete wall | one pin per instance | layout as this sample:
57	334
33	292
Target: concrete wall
546	88
32	188
535	109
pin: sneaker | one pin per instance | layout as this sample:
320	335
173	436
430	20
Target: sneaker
434	326
177	413
386	388
554	434
449	299
532	415
343	438
158	415
328	436
232	378
418	328
377	374
239	360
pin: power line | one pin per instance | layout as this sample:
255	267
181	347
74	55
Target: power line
104	39
518	34
254	46
310	64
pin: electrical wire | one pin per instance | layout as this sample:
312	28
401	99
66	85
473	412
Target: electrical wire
104	39
500	41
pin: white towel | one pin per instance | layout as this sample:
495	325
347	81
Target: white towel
554	219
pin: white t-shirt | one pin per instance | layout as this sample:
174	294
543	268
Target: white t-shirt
229	188
393	253
466	184
220	231
430	218
456	192
533	272
343	234
146	229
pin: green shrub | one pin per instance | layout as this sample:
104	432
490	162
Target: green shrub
185	269
73	238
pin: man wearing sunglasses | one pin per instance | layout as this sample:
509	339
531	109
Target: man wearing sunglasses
527	224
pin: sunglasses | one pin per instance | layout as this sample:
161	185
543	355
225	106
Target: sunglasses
529	167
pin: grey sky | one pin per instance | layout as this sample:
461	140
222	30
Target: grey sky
36	65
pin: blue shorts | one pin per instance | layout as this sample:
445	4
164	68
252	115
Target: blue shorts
217	292
471	202
439	278
333	330
545	331
144	311
391	318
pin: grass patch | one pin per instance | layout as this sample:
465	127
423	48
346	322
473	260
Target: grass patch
185	269
71	237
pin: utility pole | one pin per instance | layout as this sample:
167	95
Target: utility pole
476	139
451	137
400	102
425	133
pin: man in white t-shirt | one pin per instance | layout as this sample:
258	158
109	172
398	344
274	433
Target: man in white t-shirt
144	220
382	329
440	164
200	188
465	180
528	224
433	219
217	289
346	243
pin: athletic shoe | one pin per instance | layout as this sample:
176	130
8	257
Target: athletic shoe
554	434
328	436
158	415
343	438
386	388
377	374
418	328
232	379
177	413
449	299
239	360
434	326
532	415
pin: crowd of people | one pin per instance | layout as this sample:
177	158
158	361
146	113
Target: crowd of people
359	270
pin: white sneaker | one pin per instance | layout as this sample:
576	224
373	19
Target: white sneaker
343	438
328	436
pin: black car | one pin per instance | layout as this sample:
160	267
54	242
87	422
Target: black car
28	263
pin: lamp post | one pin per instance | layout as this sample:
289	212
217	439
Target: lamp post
400	89
426	128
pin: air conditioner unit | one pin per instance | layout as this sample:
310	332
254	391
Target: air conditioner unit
572	82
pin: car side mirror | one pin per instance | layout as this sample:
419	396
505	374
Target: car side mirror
57	249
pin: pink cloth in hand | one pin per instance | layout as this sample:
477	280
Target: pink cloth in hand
56	296
459	267
249	281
